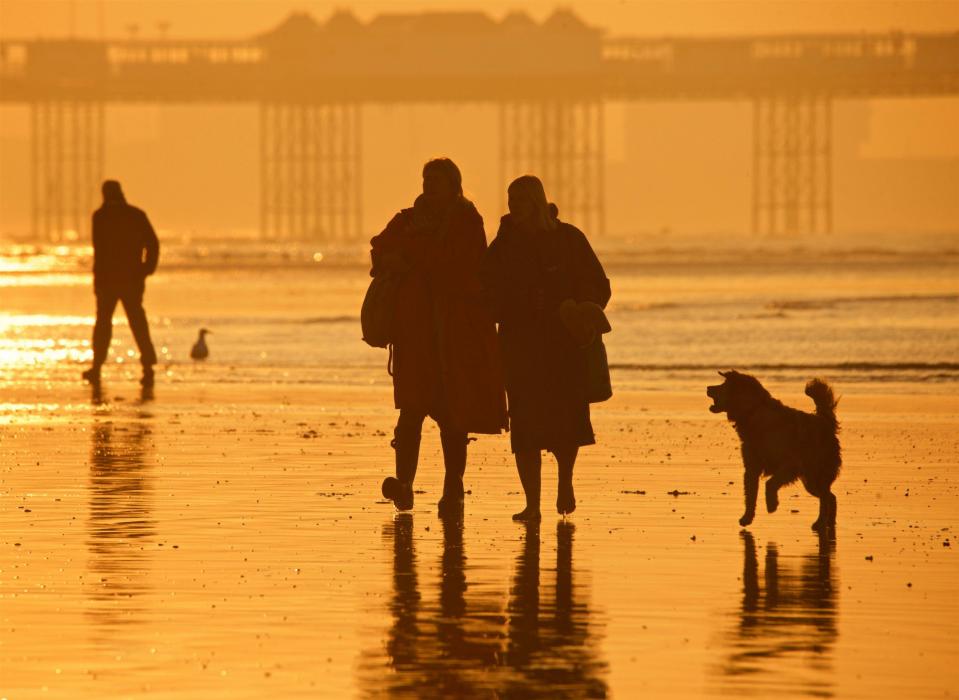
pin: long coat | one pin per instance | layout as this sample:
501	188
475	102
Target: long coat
526	276
445	355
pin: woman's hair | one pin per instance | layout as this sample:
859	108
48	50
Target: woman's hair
112	191
530	188
448	170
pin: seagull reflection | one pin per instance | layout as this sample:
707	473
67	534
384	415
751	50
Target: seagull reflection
465	646
787	624
120	524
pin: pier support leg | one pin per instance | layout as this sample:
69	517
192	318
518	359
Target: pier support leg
67	154
561	142
792	165
310	175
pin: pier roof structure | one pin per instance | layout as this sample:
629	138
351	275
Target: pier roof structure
470	56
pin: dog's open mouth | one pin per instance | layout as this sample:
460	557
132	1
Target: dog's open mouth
713	393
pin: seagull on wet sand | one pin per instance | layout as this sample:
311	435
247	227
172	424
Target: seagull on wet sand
200	351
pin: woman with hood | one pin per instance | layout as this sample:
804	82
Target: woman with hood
445	358
537	266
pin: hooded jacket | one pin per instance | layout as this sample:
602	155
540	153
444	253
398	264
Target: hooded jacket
125	246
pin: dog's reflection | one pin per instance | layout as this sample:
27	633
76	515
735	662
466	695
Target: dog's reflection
464	646
120	523
788	620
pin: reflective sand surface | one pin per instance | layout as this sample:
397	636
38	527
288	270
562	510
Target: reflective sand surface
224	537
233	554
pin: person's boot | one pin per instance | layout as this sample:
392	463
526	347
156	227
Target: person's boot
146	381
399	489
92	375
454	461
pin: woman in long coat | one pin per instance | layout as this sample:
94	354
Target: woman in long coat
445	359
535	264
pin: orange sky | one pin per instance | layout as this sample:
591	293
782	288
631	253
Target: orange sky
242	17
896	161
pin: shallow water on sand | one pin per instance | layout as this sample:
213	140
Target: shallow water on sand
223	535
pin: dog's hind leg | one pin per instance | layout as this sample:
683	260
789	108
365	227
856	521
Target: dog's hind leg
831	521
827	511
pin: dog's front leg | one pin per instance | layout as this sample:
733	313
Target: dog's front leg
750	488
772	491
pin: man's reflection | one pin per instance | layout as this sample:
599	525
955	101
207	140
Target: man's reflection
789	618
99	398
464	646
120	525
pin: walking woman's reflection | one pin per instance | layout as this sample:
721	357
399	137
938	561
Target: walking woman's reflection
551	643
120	522
450	648
463	646
469	631
402	642
787	624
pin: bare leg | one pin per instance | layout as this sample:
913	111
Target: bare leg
565	497
529	464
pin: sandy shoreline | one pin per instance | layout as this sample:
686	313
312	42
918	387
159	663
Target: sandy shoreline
226	540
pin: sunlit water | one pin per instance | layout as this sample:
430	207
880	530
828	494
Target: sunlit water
223	536
859	314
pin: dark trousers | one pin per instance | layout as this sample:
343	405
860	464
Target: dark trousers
406	442
131	296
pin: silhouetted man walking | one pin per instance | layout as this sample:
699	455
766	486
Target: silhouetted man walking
125	252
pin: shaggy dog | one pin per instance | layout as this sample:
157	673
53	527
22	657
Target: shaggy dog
782	443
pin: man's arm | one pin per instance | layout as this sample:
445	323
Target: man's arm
96	239
152	245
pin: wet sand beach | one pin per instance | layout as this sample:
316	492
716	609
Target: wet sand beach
223	536
218	540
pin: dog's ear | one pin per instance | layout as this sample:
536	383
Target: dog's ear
723	374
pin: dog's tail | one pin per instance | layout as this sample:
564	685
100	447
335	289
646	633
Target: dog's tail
821	394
